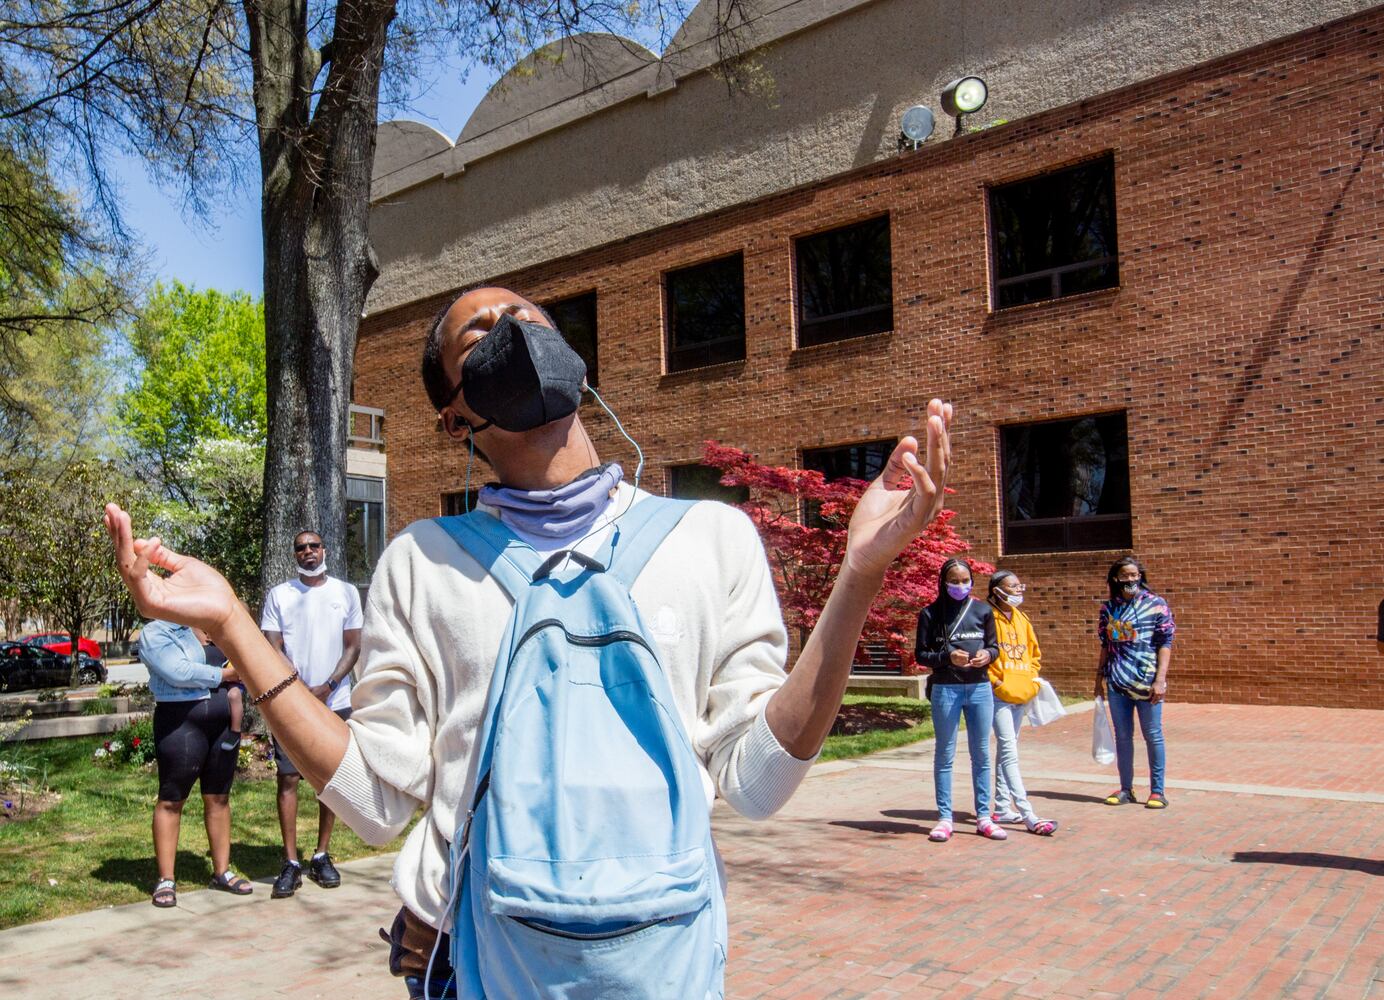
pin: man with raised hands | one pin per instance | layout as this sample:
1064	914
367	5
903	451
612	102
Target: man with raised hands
496	371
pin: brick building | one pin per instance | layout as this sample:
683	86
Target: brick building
1157	307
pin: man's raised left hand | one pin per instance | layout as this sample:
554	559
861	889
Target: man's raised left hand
888	517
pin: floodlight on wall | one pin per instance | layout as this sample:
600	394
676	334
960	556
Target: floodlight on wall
915	127
964	96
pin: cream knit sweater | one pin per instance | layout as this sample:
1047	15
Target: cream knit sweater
433	625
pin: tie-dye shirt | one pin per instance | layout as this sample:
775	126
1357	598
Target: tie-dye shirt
1131	633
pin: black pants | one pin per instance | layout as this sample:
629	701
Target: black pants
187	743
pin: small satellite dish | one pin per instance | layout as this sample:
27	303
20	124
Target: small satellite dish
917	124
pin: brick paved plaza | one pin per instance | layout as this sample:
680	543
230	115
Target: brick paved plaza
1264	879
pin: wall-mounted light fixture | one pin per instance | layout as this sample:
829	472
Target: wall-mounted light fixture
964	96
915	127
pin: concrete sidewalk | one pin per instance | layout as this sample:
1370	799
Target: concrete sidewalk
1265	878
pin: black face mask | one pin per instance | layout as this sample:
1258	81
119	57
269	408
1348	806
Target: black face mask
521	376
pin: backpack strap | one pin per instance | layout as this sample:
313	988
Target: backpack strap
639	532
510	561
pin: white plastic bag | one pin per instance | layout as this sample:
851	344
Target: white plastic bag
1102	737
1045	706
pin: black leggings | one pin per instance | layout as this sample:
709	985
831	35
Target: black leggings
187	741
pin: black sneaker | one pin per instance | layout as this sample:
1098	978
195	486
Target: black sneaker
323	872
290	880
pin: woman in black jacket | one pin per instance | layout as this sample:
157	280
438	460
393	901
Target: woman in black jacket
956	642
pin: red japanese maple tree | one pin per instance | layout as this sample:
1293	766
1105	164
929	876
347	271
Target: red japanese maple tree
806	557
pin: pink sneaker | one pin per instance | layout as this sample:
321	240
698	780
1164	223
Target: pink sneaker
987	828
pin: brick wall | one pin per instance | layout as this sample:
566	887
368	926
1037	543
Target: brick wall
1244	343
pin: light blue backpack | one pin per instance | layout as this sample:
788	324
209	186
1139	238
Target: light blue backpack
584	869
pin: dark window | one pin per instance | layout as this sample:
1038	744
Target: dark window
459	502
576	318
364	527
845	283
1055	235
702	482
853	461
1066	485
705	306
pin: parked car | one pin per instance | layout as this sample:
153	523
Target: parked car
24	666
89	671
61	642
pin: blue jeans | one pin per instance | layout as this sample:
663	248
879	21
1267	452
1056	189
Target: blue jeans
1122	709
1009	784
949	703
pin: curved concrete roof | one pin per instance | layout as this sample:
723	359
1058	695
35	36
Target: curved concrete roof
666	141
706	19
400	143
581	75
558	71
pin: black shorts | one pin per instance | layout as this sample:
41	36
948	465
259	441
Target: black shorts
187	744
281	762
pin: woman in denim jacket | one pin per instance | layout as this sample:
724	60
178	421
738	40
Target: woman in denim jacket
191	722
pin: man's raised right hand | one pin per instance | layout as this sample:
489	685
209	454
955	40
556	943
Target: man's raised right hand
192	593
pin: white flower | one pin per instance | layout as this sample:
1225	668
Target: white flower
116	745
100	752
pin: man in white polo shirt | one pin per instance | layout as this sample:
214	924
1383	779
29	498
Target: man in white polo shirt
315	622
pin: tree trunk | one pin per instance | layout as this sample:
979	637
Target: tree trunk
318	262
74	630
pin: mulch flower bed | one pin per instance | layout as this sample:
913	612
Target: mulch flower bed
17	805
256	760
855	719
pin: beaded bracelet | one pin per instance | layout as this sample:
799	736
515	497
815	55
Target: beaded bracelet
275	689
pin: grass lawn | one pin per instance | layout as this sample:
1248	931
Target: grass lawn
883	723
94	848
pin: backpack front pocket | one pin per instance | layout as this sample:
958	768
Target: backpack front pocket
628	889
646	960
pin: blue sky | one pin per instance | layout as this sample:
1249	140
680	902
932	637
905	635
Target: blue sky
224	251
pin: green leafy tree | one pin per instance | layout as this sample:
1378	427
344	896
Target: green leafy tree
60	289
199	376
190	85
225	521
59	558
55	392
55	267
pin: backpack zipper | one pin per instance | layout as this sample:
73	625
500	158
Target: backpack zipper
621	635
598	936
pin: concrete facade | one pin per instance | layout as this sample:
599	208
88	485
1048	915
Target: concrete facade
610	141
1243	344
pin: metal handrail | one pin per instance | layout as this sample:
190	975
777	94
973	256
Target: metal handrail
1055	273
804	319
1066	525
376	425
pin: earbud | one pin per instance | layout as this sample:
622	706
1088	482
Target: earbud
458	424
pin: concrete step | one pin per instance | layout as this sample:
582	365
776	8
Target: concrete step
886	684
75	725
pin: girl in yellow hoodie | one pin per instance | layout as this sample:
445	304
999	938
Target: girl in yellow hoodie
1014	677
